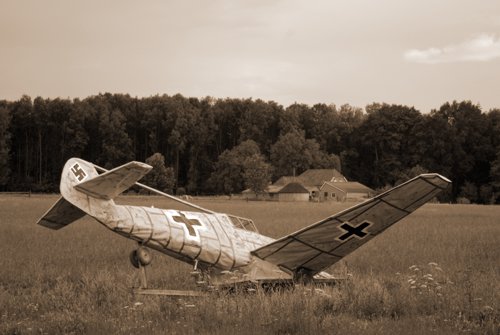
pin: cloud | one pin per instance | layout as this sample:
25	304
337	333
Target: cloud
481	48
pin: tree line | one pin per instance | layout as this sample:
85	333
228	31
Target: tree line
215	146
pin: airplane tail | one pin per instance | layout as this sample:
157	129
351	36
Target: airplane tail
85	191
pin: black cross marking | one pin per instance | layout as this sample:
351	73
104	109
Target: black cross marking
189	223
78	172
354	231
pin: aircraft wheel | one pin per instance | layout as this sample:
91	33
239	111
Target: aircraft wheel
143	256
140	257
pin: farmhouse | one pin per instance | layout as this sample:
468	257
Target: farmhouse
315	185
284	189
344	191
291	192
316	177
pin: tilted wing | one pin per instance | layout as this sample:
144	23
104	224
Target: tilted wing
320	245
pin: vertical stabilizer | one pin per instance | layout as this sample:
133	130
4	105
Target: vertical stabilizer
73	205
77	171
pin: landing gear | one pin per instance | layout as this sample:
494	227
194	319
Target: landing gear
140	257
302	276
201	277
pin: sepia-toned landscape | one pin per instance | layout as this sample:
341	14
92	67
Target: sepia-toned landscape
434	272
283	112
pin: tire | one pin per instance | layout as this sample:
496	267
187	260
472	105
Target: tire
143	256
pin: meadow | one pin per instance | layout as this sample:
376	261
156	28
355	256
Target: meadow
437	271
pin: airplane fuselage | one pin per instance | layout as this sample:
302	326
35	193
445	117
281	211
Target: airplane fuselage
208	238
212	241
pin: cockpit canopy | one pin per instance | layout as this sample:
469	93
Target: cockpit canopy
243	223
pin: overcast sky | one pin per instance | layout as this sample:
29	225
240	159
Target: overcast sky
419	53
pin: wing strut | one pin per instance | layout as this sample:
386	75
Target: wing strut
187	203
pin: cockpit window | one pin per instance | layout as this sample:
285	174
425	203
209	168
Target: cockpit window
243	223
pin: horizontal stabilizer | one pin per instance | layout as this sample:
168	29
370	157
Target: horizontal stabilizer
110	184
61	214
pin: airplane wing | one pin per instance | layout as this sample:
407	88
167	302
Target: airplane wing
322	244
111	183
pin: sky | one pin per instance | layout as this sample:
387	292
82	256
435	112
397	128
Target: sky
418	53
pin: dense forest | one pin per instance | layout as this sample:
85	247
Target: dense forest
206	143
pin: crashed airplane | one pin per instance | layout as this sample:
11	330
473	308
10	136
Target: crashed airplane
218	244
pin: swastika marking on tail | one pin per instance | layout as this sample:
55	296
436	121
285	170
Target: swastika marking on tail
353	231
78	172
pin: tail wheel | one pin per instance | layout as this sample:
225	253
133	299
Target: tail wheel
140	257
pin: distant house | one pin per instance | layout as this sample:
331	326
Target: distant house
316	177
313	179
284	191
344	191
316	185
292	192
285	180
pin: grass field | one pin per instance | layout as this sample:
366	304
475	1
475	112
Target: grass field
437	271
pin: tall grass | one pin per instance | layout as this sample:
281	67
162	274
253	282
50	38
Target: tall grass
436	271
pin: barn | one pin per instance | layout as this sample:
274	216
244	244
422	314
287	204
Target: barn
345	191
292	192
315	185
288	191
316	177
